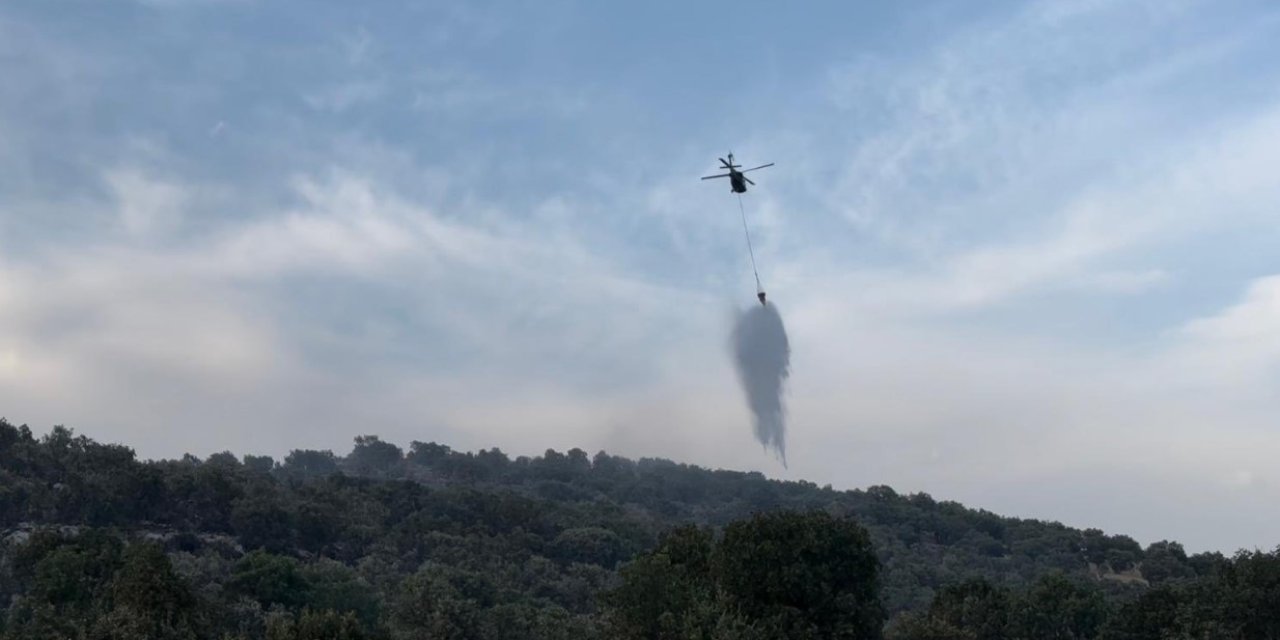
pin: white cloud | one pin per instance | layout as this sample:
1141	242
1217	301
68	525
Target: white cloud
160	334
1238	346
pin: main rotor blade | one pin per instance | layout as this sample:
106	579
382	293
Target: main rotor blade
748	180
759	167
723	175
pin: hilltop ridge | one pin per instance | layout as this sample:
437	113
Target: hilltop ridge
924	543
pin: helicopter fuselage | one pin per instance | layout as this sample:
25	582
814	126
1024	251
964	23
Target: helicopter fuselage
737	182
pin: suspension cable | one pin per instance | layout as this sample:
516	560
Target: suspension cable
750	251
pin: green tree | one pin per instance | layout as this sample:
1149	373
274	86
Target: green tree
307	463
667	593
314	625
921	626
803	574
262	521
1057	608
373	457
1151	616
975	606
1250	587
594	545
428	454
1165	561
335	587
259	464
67	582
270	580
441	602
149	600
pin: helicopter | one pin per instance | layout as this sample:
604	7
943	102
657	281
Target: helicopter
737	181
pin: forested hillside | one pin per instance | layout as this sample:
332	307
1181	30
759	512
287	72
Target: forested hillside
431	542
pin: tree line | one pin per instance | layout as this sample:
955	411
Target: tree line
430	542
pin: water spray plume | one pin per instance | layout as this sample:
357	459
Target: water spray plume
763	358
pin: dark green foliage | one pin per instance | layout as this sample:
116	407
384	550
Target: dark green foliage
1238	600
92	585
1058	608
807	575
1148	617
69	574
62	579
441	602
1055	607
304	464
591	545
262	521
778	575
977	607
919	626
373	457
1249	593
1165	561
269	580
260	464
669	592
149	600
333	586
314	625
382	543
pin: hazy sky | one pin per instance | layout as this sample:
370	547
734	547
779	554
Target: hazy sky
1028	254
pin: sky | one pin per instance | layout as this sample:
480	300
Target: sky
1027	253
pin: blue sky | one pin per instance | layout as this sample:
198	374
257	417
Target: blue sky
1026	252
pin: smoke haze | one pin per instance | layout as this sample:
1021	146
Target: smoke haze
763	357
